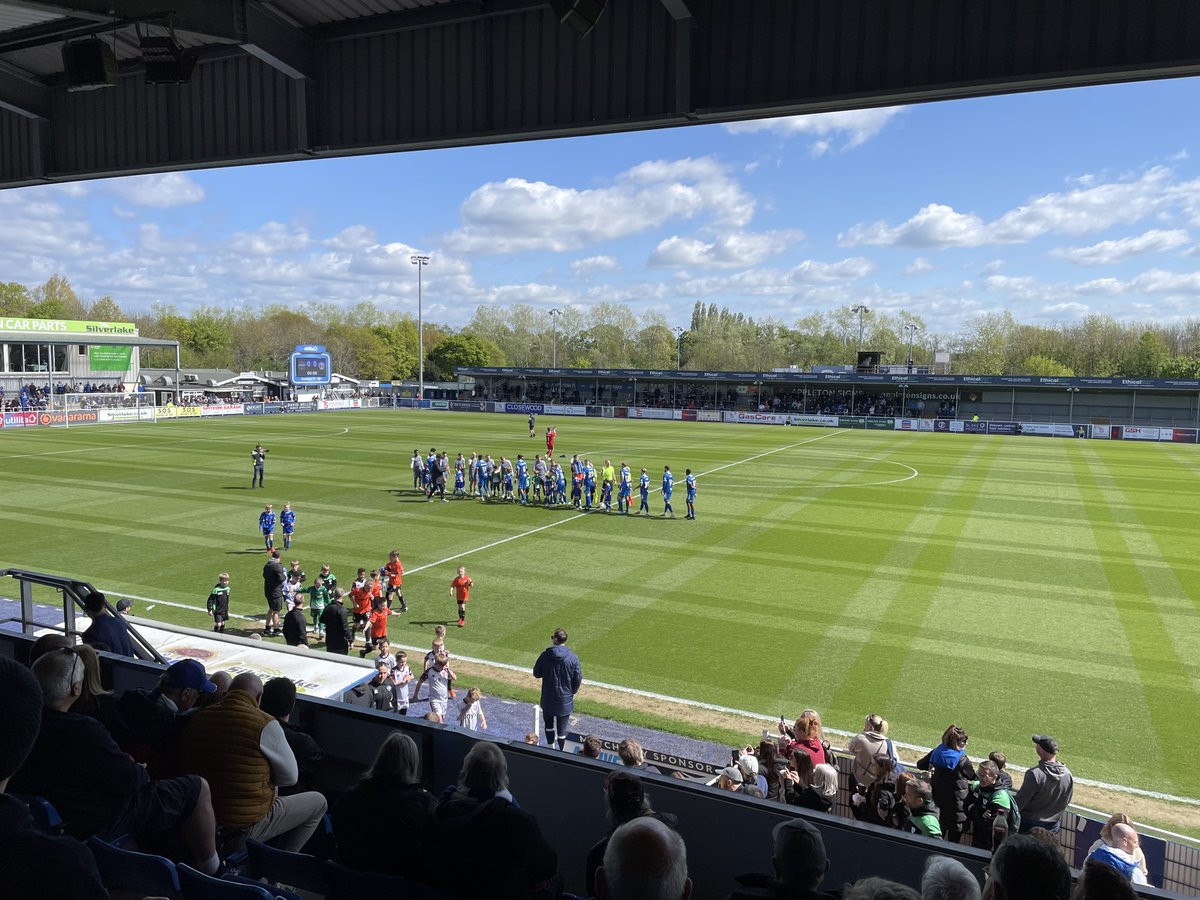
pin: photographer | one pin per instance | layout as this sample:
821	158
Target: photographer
258	456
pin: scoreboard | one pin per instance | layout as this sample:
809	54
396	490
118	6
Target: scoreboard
310	364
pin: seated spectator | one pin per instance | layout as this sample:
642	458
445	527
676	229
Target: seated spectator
94	700
948	879
278	700
154	719
1025	868
950	781
46	643
64	867
222	681
922	815
1120	852
627	801
645	859
391	788
592	747
752	778
1098	881
509	857
107	631
634	757
244	754
100	790
989	809
532	738
799	862
730	779
866	746
879	889
1106	839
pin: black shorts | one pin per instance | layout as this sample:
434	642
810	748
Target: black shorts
274	604
157	807
220	618
361	618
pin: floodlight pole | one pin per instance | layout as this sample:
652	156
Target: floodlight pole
860	309
678	347
554	314
911	331
420	261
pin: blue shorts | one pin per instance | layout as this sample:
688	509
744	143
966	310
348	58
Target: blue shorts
288	529
666	495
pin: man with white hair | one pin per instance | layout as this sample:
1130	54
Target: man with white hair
948	879
645	860
1121	853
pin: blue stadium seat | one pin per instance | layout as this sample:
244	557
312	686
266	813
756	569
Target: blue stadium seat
45	816
298	870
352	884
198	886
128	870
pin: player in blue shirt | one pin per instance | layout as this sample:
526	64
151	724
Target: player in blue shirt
624	490
287	519
589	484
561	486
431	462
484	478
522	479
644	491
690	483
668	485
266	524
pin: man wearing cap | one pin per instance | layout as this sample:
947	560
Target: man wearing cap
107	632
1047	789
64	867
730	779
125	606
800	865
155	719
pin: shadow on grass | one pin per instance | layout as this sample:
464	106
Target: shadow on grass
421	623
249	551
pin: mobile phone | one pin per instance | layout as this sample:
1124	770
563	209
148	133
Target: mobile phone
734	755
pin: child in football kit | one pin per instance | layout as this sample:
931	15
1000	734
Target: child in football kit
218	602
460	589
471	714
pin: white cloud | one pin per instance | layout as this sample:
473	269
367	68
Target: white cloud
584	268
516	215
157	191
813	272
731	251
918	266
833	130
1081	211
1106	253
270	239
352	238
992	267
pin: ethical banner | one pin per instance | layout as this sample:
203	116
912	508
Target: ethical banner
110	358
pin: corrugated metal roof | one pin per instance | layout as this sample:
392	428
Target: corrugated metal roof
46	61
321	12
14	17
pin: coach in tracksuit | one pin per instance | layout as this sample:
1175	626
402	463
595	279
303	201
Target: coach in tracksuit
561	675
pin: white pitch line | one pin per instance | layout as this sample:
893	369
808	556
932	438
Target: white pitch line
200	609
514	537
156	445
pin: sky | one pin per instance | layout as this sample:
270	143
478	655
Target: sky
1054	205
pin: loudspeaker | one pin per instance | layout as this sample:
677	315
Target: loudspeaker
581	15
89	65
165	62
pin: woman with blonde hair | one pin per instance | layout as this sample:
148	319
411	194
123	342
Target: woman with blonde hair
865	746
94	699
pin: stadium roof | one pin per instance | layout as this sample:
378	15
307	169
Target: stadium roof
90	340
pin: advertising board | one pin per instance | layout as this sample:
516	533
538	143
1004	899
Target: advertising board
645	412
80	417
555	409
1102	432
813	421
222	409
1178	435
1003	428
525	408
299	406
468	406
1048	429
707	415
755	418
27	419
1140	433
180	412
126	415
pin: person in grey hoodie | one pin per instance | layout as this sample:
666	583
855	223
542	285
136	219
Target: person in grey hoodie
1047	789
561	675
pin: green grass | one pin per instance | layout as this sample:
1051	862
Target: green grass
1014	586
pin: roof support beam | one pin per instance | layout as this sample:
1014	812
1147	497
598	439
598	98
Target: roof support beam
429	17
23	94
677	8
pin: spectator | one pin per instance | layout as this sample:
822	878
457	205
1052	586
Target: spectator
866	746
125	606
1098	881
46	643
107	632
1025	868
244	754
922	814
592	747
100	790
391	785
64	867
279	700
154	719
770	767
381	689
800	864
951	780
876	802
532	738
806	736
752	782
295	624
1005	780
627	801
274	578
510	858
1120	852
1046	790
797	782
335	621
730	779
989	808
94	700
634	757
1106	839
948	879
879	889
561	674
645	860
222	681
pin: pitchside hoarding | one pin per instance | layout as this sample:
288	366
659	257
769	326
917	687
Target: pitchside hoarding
20	419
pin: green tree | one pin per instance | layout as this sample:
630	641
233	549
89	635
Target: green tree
1147	358
56	300
14	299
462	350
106	309
1043	365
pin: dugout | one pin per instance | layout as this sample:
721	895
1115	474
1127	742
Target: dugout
1116	401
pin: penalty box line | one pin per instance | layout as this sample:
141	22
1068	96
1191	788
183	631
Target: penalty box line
523	534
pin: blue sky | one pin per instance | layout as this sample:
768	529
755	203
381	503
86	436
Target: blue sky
1053	205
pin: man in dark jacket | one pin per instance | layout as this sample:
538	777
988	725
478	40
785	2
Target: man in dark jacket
295	624
800	866
155	719
1047	789
338	636
274	577
561	675
278	700
107	631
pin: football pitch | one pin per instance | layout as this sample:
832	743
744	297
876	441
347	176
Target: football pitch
1010	585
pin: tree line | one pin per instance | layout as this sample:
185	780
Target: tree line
368	342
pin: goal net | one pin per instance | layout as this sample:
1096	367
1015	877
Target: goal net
100	407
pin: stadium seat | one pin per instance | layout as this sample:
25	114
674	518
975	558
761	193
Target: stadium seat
45	816
198	886
351	884
128	870
299	870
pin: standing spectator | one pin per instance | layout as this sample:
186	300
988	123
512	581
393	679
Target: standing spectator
244	754
274	576
295	624
951	780
865	746
627	801
1046	790
336	622
1121	853
948	879
561	674
279	700
64	867
633	757
806	736
800	865
922	813
770	767
1025	867
875	802
510	859
392	784
989	808
107	631
644	859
